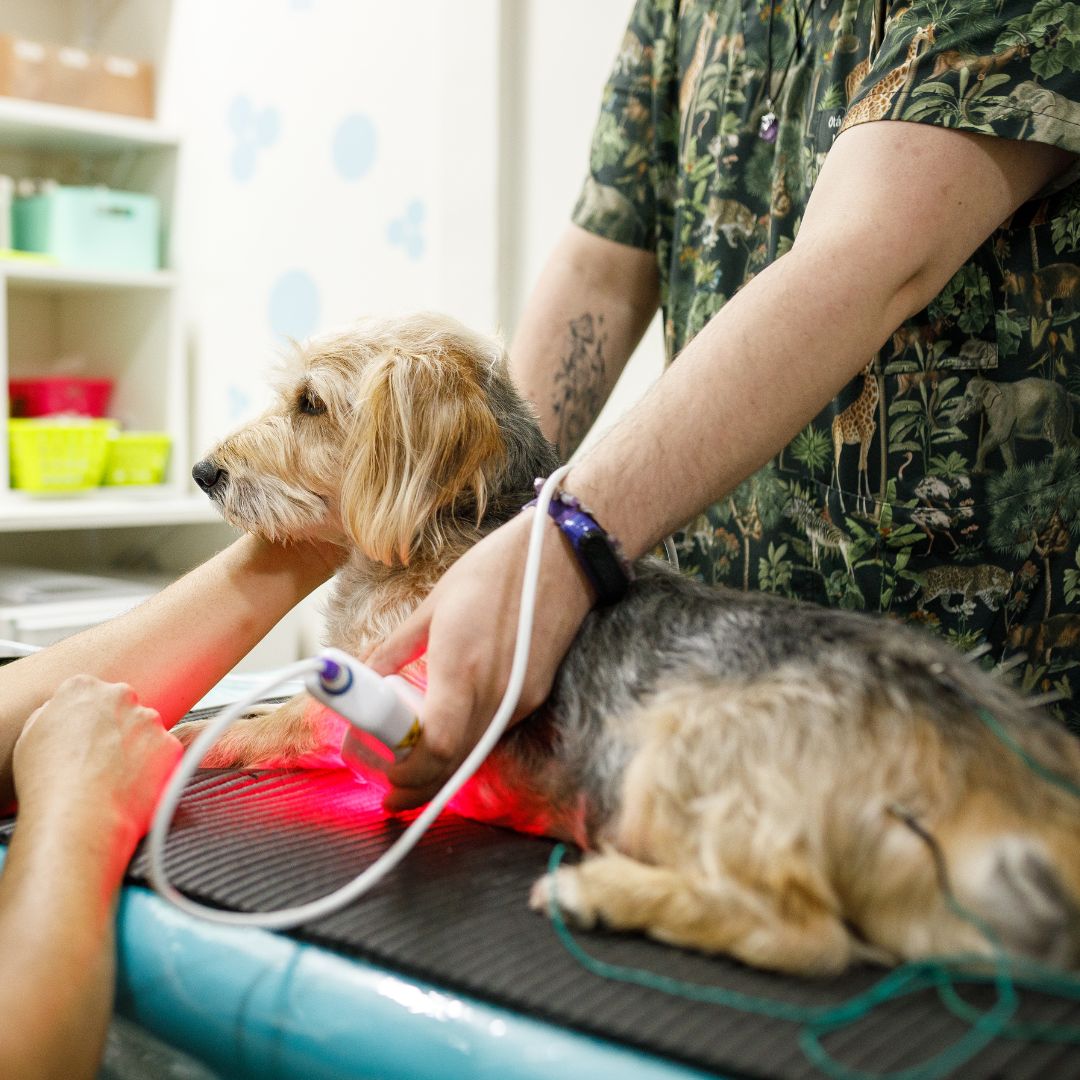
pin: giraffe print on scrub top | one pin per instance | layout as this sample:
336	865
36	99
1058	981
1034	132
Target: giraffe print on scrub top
857	424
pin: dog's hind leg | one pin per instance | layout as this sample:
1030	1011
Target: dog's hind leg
718	916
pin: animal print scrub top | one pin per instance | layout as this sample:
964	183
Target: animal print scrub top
943	485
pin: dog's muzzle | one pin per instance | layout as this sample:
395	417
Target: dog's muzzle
209	476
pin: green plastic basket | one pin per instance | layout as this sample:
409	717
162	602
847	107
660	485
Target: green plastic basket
137	457
51	455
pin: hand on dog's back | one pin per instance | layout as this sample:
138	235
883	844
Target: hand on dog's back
468	628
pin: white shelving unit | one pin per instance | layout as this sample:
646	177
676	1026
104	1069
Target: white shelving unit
37	125
125	326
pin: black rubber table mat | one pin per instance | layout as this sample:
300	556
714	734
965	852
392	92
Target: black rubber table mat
455	913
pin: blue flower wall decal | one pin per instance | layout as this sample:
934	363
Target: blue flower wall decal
255	129
407	231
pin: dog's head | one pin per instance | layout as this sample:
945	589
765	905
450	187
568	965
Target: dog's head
395	437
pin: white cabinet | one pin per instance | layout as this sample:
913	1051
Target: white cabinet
124	326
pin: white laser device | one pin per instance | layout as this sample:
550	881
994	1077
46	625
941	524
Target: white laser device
386	707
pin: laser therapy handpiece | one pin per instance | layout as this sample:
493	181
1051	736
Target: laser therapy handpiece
386	707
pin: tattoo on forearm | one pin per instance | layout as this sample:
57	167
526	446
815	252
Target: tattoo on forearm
579	383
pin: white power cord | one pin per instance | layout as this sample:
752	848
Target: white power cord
286	918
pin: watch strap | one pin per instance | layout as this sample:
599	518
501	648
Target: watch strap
598	553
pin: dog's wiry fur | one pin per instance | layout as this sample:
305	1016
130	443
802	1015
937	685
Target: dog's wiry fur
746	771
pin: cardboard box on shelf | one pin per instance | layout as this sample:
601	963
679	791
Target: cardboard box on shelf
65	75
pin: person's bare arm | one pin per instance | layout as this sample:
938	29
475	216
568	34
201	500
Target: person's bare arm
88	769
896	211
586	315
175	646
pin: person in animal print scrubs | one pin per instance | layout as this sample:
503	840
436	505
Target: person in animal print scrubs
861	223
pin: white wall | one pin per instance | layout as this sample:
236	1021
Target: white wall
566	51
567	48
314	184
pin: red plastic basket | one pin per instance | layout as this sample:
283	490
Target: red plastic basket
59	396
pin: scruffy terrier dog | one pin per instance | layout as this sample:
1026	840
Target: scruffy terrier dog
794	786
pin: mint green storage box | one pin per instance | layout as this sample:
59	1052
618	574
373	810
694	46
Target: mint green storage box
90	227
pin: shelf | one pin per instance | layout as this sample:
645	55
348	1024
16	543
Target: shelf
40	126
102	509
36	275
127	325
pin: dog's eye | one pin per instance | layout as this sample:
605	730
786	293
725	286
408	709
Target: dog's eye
311	404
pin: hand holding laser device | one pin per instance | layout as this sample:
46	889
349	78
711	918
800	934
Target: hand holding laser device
387	707
336	668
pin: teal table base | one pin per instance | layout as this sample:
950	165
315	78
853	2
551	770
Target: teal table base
260	1006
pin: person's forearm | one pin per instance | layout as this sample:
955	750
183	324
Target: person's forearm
741	390
594	300
175	646
57	944
896	211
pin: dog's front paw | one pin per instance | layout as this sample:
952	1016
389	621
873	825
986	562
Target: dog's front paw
234	749
189	731
289	736
564	887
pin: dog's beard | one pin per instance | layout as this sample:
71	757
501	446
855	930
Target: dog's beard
274	510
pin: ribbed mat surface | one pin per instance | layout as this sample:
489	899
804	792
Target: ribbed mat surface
455	913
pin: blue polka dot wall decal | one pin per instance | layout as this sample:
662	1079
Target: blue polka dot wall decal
294	305
354	146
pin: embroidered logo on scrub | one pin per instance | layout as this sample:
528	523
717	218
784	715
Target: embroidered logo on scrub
825	127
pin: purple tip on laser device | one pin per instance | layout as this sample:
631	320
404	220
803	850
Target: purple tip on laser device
335	678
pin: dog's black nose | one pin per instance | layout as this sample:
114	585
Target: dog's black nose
208	475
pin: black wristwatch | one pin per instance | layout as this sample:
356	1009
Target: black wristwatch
608	570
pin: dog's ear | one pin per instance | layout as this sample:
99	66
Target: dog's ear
422	439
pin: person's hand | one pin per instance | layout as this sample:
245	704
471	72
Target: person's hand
468	626
91	744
